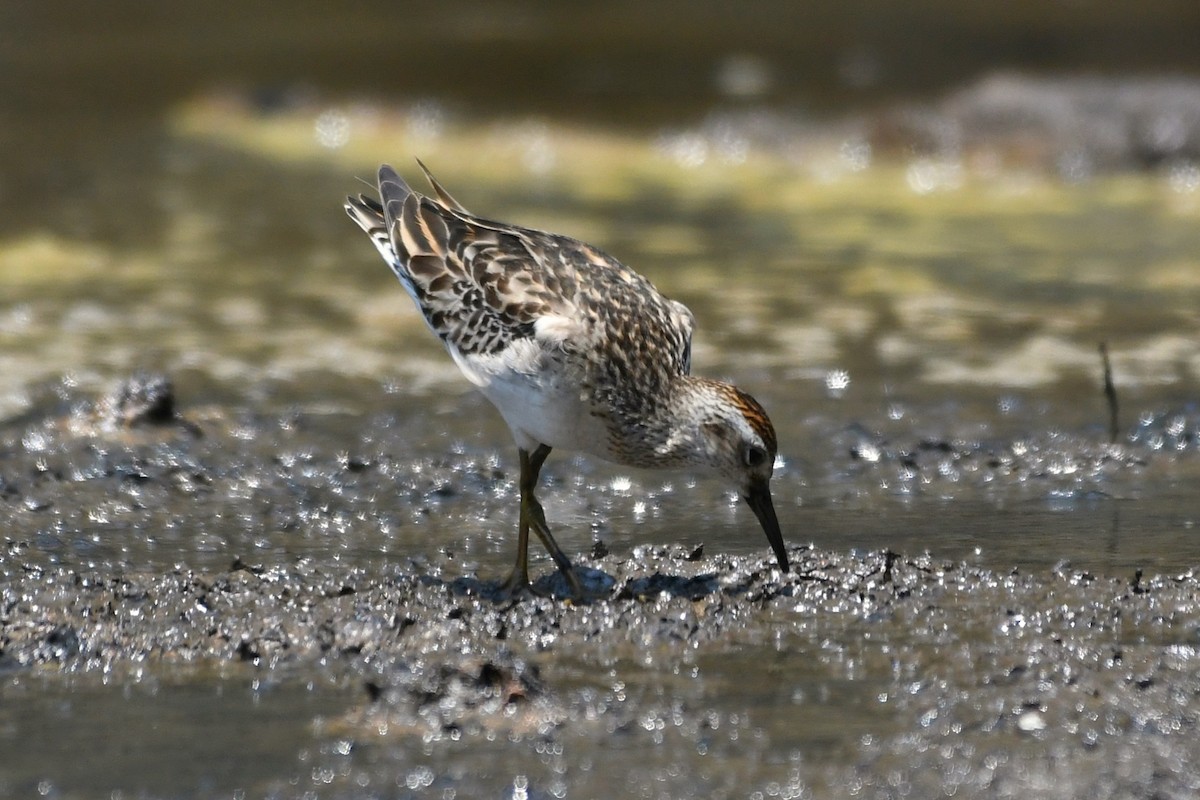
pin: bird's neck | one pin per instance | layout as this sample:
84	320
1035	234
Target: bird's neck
688	405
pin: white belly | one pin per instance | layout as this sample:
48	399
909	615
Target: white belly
540	405
551	415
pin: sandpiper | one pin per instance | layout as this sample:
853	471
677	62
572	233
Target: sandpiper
573	348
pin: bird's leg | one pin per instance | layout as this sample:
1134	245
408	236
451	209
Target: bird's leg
537	520
518	579
532	516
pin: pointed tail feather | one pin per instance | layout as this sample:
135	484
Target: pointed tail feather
393	191
443	196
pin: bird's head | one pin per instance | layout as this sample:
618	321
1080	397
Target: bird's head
737	440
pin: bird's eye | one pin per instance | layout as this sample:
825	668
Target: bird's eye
755	456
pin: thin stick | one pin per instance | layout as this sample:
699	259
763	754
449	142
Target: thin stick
1110	393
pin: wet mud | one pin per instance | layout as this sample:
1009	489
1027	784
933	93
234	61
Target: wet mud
970	663
958	676
986	681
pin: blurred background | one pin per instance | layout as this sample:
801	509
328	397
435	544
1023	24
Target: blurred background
897	224
618	65
190	160
911	220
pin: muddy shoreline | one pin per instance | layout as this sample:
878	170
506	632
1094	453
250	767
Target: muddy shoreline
979	662
957	676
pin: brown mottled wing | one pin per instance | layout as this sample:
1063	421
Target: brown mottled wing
478	285
481	284
645	338
643	330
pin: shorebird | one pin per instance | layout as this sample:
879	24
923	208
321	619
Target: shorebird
575	350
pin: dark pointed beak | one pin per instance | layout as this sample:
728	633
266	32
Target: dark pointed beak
759	499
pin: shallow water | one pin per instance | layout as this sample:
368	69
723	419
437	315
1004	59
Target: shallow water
157	735
922	325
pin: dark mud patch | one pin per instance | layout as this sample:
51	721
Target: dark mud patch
893	672
1075	127
308	611
969	679
1072	125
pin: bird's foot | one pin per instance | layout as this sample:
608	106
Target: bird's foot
582	585
517	585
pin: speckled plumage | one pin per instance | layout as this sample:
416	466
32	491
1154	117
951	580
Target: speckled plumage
575	349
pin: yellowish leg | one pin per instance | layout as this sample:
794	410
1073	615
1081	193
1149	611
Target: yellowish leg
533	516
518	579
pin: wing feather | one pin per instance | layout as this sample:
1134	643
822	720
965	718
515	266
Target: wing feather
483	285
479	285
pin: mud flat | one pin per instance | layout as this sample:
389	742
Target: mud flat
861	673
